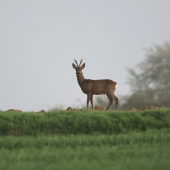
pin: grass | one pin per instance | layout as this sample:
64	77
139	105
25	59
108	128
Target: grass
85	140
73	141
142	150
84	122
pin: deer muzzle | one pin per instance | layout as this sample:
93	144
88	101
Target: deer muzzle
78	73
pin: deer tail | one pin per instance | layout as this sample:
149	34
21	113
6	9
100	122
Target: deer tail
116	86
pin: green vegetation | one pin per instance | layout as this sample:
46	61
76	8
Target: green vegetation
85	140
142	150
84	122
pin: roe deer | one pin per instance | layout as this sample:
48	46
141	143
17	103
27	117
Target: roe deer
91	87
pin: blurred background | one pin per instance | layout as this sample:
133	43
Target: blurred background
126	41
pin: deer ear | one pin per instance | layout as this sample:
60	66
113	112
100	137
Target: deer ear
83	66
74	66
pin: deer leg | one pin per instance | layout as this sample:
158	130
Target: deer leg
88	98
111	101
92	101
116	100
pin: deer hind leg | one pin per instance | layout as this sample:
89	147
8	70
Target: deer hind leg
111	101
116	100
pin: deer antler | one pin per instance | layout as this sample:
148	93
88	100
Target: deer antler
80	62
76	62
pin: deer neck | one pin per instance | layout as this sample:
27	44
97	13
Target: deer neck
80	79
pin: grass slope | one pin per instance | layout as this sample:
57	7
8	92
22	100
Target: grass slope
84	122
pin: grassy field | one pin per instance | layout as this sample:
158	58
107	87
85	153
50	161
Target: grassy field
84	122
85	140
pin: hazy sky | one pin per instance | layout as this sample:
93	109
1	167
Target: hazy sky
39	40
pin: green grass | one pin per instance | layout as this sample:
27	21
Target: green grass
85	140
73	141
142	150
84	122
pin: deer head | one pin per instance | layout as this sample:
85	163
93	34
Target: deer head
78	68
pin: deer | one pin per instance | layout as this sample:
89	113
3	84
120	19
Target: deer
95	87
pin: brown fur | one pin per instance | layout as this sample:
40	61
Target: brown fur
95	87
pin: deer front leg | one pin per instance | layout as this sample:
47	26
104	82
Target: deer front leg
92	101
88	101
89	97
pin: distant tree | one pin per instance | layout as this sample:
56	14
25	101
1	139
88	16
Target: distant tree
149	81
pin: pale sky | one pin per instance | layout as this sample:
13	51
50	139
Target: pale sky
39	40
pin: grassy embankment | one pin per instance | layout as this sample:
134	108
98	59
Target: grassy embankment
85	140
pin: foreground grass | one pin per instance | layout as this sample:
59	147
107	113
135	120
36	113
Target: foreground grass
73	141
84	122
143	150
85	140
